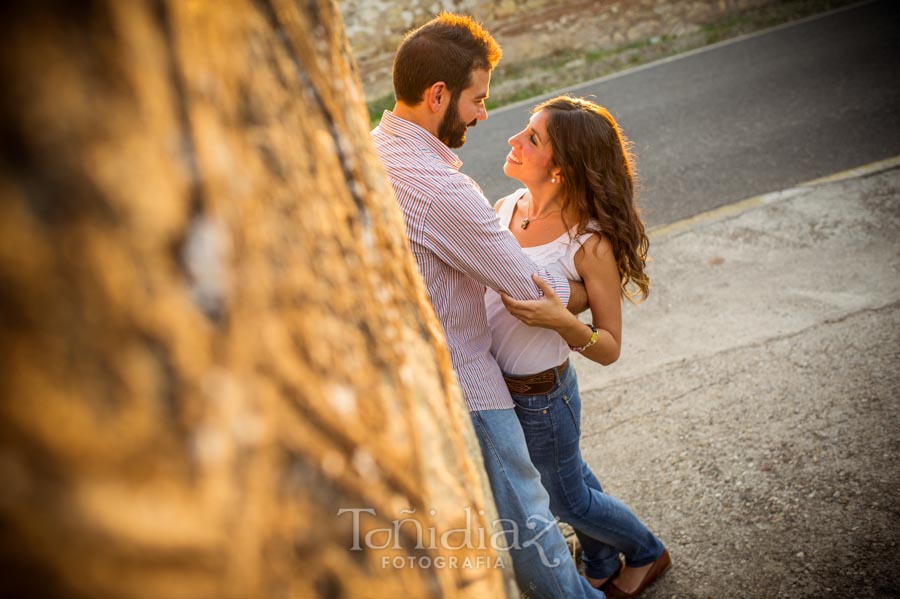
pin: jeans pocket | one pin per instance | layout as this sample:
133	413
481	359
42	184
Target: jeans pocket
573	413
537	421
532	403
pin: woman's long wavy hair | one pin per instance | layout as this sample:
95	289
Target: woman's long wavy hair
599	183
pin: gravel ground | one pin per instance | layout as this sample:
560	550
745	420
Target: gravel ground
754	423
769	471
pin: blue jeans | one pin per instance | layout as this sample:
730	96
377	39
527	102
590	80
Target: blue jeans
543	565
604	525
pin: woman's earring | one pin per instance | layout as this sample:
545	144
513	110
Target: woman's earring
553	180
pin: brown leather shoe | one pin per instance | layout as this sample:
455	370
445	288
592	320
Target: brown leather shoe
659	566
609	578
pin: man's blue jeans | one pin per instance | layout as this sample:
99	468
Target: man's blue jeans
604	525
543	565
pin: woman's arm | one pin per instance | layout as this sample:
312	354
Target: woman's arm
597	266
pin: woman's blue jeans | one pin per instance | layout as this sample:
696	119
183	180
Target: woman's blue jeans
543	566
604	525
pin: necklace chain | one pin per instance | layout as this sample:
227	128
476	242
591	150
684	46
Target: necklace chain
529	219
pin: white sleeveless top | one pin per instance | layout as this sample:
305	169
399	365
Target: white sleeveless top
518	348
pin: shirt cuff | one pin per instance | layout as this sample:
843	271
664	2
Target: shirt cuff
560	287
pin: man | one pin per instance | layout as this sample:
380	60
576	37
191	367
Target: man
441	76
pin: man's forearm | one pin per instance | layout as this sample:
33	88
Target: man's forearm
578	299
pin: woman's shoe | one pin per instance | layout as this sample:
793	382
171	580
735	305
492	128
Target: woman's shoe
609	578
661	564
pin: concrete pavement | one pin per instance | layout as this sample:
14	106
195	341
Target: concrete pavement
753	418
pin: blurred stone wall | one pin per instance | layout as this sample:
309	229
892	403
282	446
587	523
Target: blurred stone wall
214	341
527	29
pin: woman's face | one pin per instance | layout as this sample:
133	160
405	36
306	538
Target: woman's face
531	158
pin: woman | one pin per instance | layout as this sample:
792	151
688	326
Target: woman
576	216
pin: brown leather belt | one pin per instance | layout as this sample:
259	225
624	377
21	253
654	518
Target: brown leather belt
535	384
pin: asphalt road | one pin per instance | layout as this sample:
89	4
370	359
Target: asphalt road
741	118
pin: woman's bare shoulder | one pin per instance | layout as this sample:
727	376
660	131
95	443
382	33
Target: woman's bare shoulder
596	244
596	252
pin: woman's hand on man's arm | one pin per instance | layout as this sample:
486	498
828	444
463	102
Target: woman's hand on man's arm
547	312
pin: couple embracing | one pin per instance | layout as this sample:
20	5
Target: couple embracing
506	286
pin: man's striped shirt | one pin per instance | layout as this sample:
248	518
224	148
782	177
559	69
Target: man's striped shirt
460	247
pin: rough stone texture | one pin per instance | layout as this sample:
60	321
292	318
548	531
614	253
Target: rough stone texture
527	29
212	334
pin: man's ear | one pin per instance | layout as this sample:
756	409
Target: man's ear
437	96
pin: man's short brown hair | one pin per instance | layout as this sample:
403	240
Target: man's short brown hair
447	48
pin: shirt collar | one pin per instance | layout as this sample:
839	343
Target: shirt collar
394	125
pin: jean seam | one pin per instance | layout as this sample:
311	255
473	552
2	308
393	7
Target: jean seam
554	430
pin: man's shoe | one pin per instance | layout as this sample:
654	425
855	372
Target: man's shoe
659	566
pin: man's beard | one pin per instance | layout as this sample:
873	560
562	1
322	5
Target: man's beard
451	130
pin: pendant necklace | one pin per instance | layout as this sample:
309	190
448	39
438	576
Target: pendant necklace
528	219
